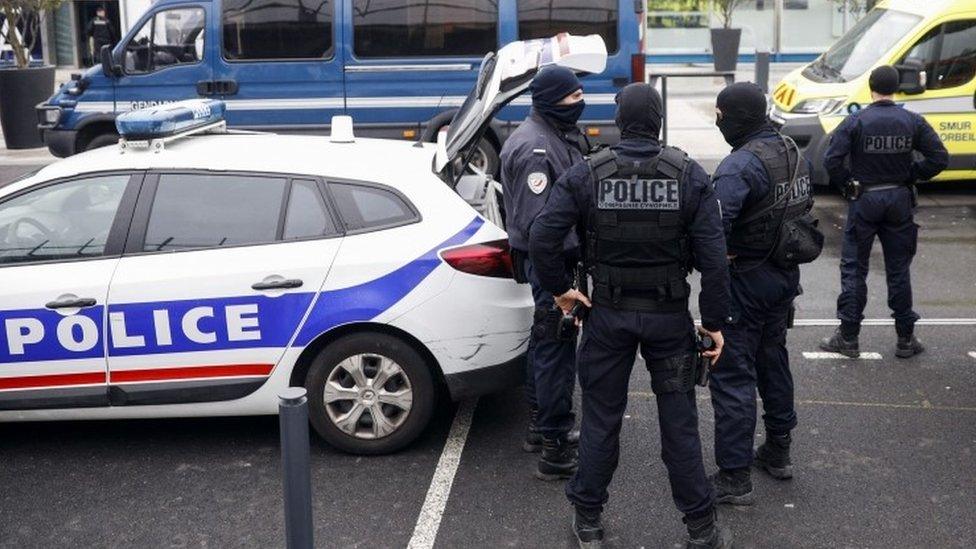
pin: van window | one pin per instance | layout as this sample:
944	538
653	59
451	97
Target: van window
277	29
545	18
858	50
168	38
424	28
957	61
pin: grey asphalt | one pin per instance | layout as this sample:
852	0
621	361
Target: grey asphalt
884	451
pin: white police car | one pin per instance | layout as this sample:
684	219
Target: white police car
187	273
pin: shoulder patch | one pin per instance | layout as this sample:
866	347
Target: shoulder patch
537	181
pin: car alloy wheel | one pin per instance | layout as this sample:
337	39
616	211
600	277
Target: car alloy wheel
368	396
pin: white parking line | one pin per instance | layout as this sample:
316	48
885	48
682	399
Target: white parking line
837	356
429	521
882	322
972	354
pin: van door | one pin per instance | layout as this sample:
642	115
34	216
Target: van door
277	63
949	102
166	58
408	61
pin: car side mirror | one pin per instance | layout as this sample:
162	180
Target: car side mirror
109	66
911	77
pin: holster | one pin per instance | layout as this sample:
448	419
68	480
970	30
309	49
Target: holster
546	325
518	265
676	374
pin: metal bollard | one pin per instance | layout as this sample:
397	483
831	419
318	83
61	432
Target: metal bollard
293	419
762	69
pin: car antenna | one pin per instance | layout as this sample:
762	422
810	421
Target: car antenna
420	138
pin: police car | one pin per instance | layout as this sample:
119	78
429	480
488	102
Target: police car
193	271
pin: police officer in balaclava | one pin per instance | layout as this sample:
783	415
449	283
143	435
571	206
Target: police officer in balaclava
762	185
537	153
649	215
880	184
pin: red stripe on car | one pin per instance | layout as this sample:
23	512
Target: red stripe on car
190	372
52	380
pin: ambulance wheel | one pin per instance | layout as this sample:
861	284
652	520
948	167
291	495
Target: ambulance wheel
369	393
102	140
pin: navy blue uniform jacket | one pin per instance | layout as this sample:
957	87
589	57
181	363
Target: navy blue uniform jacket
533	158
572	201
879	140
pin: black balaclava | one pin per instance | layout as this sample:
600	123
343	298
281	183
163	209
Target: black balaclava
743	107
884	80
639	112
549	87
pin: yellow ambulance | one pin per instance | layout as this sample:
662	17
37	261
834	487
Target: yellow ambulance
933	45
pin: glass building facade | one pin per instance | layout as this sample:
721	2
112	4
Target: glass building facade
680	28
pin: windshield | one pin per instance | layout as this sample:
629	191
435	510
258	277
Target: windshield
862	47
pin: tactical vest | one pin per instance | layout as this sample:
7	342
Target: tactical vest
637	247
756	230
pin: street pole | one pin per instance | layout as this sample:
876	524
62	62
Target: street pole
293	419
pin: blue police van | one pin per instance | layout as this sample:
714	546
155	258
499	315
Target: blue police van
400	68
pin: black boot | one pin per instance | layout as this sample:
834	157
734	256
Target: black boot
908	347
774	456
533	438
838	343
588	529
707	533
733	486
558	459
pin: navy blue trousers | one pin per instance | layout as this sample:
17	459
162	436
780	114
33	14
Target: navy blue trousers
607	352
551	371
889	214
754	357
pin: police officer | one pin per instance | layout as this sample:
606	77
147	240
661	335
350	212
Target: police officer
879	141
540	150
100	32
762	184
649	216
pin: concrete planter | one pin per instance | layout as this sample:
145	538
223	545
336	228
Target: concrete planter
725	48
20	91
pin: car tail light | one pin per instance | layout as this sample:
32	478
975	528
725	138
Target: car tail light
485	259
637	65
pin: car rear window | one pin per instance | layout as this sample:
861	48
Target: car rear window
424	28
545	18
203	211
367	207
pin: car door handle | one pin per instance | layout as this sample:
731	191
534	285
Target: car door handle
205	87
77	303
278	284
225	87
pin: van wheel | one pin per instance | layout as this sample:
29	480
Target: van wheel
369	393
485	157
101	140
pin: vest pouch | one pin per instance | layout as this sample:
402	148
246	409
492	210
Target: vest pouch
800	241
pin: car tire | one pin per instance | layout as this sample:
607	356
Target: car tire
490	161
345	420
101	140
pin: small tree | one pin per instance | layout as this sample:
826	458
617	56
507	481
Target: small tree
724	9
22	25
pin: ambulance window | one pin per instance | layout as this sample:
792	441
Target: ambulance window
957	62
363	207
277	29
169	38
62	221
545	18
418	28
307	215
924	50
193	211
